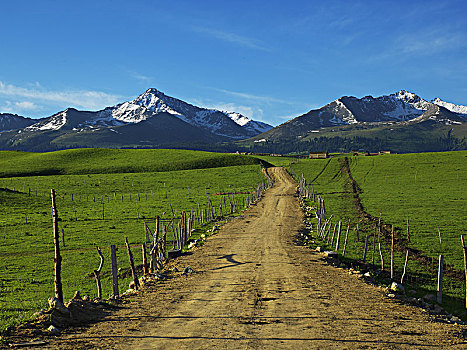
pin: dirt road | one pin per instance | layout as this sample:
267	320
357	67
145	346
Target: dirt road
254	289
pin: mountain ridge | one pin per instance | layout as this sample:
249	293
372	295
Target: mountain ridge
156	120
399	108
148	105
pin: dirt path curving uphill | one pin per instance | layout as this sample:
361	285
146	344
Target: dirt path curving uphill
255	289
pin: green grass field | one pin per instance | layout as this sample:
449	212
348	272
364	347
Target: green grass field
430	188
26	266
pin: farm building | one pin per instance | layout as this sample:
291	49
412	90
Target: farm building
319	155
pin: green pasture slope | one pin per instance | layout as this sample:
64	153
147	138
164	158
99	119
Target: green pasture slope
124	183
109	161
430	188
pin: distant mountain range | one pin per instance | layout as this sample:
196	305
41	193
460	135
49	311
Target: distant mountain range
402	108
151	119
401	121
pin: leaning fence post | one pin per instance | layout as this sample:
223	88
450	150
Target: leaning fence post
440	280
145	261
113	258
58	257
405	266
97	274
346	235
132	264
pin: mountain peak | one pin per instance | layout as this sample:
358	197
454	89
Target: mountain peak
152	91
406	96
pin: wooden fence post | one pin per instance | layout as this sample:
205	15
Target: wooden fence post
464	248
146	234
132	264
346	235
381	256
113	258
366	248
392	253
405	266
338	235
374	246
145	261
97	274
440	280
58	257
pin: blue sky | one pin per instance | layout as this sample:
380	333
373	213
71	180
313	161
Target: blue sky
270	60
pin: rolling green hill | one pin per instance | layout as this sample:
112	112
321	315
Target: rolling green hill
93	161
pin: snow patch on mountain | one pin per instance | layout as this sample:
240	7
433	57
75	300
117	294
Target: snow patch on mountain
237	118
253	126
412	99
405	105
55	122
450	106
347	115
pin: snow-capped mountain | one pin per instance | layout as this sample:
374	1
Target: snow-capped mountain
152	102
398	107
152	118
72	119
149	105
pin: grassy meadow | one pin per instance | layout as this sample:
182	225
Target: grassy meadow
154	183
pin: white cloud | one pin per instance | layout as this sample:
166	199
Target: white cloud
85	99
26	105
233	38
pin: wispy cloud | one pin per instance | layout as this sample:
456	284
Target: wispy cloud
140	77
252	97
86	99
423	43
248	111
26	105
432	42
20	107
240	40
